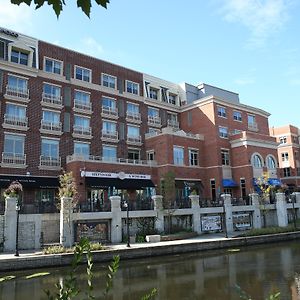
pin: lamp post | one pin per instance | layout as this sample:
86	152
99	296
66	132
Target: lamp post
127	221
18	207
224	218
293	198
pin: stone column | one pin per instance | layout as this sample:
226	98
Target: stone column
10	224
297	194
256	211
196	213
228	212
66	222
281	209
158	208
116	221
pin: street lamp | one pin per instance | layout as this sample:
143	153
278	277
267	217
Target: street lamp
127	221
293	198
18	207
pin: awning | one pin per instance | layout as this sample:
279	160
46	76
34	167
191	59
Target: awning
229	183
274	181
30	181
136	184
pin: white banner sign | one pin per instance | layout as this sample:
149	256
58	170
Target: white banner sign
120	175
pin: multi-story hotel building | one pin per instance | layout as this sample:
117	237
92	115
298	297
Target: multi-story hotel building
119	130
288	154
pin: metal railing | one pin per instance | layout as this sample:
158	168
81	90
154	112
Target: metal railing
82	105
138	204
48	161
154	121
134	139
253	126
133	117
15	121
83	131
20	93
39	208
108	111
13	159
49	126
93	207
110	135
51	99
174	124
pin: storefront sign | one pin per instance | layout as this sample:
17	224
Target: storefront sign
94	231
241	221
8	32
120	175
211	223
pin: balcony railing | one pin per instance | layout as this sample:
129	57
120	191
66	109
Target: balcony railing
174	124
78	157
50	162
253	126
81	131
15	122
154	121
133	117
136	140
49	127
110	135
13	159
109	112
51	100
82	106
18	93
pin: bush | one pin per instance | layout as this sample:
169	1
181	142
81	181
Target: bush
57	249
96	246
269	230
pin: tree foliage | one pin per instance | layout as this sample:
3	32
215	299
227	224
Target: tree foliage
58	5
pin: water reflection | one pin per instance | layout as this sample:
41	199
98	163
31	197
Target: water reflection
210	275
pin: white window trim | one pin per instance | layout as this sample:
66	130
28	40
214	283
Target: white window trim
77	66
108	97
50	83
261	158
50	58
223	137
109	121
108	145
81	91
18	76
236	111
126	82
16	104
21	47
82	142
51	110
222	107
116	78
276	163
49	138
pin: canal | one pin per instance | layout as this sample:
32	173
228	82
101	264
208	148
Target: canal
210	275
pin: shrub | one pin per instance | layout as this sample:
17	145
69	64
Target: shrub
269	230
14	189
57	249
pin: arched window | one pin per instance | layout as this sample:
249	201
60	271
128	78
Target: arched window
257	161
271	163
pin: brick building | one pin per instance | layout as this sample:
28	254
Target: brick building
288	154
120	130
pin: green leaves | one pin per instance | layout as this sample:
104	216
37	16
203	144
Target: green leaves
57	5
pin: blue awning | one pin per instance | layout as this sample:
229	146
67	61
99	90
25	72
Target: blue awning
274	181
228	183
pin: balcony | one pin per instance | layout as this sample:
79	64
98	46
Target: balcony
16	93
109	136
253	127
82	107
133	117
154	121
14	122
51	128
51	100
13	160
50	163
173	124
134	140
109	112
82	132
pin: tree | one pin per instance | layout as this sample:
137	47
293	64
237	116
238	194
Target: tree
58	5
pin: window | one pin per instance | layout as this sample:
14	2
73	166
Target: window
153	93
153	112
285	156
286	172
252	122
225	157
133	154
193	157
257	161
237	116
82	149
14	144
109	103
132	109
172	98
150	155
17	83
82	97
109	153
109	81
213	189
82	122
16	111
2	50
109	127
283	140
132	87
221	111
19	57
295	139
178	153
223	132
51	91
50	148
82	74
271	164
51	117
153	131
53	66
243	188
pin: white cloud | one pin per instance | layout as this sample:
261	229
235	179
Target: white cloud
244	81
263	18
90	46
15	17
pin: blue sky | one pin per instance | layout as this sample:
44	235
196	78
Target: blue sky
251	47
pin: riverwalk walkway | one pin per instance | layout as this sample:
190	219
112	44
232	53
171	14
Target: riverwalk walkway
36	259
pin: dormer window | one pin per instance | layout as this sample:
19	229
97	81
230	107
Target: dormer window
19	57
172	98
21	54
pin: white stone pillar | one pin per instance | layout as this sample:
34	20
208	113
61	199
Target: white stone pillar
256	210
158	208
297	194
228	212
10	224
116	221
196	213
281	209
66	222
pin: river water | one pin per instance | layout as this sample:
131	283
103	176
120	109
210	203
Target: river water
210	275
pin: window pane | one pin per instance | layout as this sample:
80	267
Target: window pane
109	153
